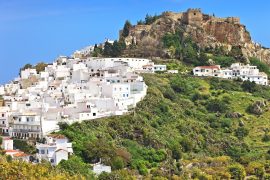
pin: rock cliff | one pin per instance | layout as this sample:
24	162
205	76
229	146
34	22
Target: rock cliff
206	30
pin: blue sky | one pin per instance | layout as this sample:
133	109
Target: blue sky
39	30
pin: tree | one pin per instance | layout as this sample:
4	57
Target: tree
241	132
216	105
27	66
118	163
126	28
108	49
40	67
237	171
249	86
75	165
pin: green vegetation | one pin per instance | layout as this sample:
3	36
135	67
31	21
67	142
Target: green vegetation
148	20
182	121
39	67
261	66
113	50
24	146
74	165
126	29
13	170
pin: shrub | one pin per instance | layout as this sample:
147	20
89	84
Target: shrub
118	163
187	144
216	105
249	86
241	132
237	171
224	61
266	138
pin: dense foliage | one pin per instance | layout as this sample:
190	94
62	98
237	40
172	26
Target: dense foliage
261	66
181	121
22	170
149	19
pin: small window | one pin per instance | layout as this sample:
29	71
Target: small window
42	152
3	122
94	114
52	160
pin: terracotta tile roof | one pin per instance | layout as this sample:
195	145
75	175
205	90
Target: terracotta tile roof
209	67
9	151
57	136
20	154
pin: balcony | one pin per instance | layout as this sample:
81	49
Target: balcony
33	123
24	130
3	125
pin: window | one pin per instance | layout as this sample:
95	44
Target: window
3	122
20	119
124	95
42	151
27	119
3	115
52	160
88	106
94	114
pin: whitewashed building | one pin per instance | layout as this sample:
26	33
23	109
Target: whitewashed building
236	70
55	149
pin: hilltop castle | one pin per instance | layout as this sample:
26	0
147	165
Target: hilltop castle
195	17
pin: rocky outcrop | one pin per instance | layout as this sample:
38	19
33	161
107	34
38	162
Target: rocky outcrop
205	30
257	107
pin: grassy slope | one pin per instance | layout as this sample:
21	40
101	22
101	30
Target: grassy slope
168	121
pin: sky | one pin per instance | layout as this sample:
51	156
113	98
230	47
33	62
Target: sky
32	31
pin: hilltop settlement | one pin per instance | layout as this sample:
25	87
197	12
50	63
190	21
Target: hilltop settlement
70	90
180	116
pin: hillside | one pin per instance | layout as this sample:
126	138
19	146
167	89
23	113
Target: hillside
187	127
207	31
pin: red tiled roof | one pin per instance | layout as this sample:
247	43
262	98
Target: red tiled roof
7	151
20	154
209	67
57	136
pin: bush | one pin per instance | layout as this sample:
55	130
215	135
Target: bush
266	138
241	132
187	144
118	163
75	165
216	105
24	146
224	61
237	171
249	86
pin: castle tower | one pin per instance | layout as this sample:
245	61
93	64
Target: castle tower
193	17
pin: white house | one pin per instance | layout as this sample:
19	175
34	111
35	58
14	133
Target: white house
100	168
7	143
207	71
26	125
27	73
4	123
2	90
55	149
236	70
